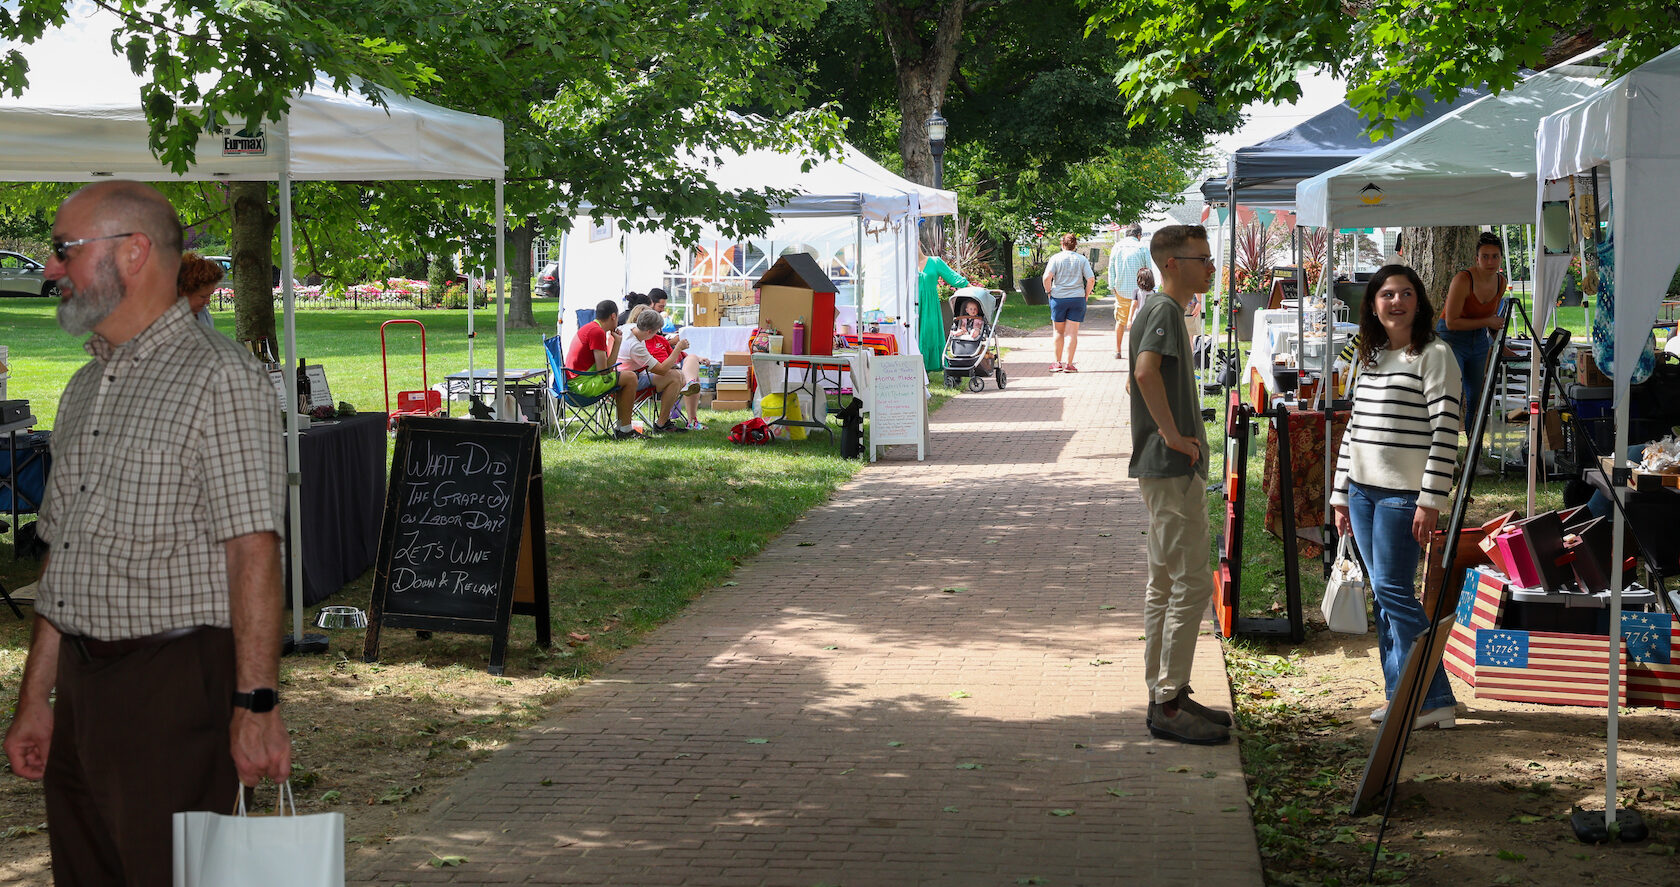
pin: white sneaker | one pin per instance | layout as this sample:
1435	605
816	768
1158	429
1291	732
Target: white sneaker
1436	717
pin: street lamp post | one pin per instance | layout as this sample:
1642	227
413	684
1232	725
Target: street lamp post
936	127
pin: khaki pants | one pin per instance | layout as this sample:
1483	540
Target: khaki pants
1180	580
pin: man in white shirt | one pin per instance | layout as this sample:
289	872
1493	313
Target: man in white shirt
1129	256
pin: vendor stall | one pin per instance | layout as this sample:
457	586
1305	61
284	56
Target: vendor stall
1626	131
81	119
853	217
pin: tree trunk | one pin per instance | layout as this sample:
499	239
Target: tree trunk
924	64
519	240
1437	254
251	242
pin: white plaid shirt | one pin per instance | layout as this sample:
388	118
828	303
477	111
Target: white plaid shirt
165	448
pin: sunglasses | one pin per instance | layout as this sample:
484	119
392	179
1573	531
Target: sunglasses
1206	260
61	248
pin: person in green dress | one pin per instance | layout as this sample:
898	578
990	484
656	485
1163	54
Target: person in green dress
931	333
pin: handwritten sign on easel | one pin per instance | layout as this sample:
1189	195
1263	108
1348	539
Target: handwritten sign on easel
898	403
460	548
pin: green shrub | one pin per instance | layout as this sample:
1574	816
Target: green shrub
455	297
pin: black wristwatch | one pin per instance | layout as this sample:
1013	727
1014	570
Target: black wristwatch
259	700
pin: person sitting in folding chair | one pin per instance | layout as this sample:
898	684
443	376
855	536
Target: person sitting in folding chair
591	359
664	376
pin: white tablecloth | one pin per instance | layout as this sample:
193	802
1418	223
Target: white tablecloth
710	342
832	373
1272	328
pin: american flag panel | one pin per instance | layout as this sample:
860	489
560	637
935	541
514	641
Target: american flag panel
1653	675
1480	605
1546	667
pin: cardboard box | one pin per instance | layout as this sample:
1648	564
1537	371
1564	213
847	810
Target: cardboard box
732	390
796	289
703	308
737	358
712	301
726	406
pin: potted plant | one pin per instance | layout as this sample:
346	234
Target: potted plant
1032	276
1571	295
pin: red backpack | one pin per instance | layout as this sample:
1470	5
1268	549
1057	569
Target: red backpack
752	431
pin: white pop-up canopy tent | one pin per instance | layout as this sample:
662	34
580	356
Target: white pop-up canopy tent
81	120
1631	127
849	199
1473	166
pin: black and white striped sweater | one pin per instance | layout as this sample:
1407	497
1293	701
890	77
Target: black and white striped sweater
1404	431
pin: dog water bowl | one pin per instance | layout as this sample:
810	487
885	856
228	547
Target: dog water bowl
341	617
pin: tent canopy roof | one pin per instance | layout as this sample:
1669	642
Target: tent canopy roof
851	184
1266	172
1474	165
80	119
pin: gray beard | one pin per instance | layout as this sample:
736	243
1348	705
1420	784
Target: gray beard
80	310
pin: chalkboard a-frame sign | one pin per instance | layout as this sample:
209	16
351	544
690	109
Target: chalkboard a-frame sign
461	545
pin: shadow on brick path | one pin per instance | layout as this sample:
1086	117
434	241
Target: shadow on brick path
945	687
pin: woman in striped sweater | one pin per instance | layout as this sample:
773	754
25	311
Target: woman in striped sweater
1396	465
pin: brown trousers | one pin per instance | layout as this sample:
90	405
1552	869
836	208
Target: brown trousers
136	738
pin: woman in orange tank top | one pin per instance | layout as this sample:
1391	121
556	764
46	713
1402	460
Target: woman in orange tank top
1470	317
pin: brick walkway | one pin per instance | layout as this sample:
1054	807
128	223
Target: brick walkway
935	678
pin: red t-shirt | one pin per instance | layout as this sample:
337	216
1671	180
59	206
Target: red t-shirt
660	348
580	357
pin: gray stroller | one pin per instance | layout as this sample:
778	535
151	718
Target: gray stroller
971	343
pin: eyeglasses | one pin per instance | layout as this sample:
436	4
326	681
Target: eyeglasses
1206	260
61	248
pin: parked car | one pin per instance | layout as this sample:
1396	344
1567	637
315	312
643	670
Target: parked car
22	276
548	281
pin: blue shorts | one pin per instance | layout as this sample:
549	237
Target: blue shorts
644	380
1067	309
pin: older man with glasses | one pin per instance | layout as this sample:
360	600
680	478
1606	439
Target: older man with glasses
150	682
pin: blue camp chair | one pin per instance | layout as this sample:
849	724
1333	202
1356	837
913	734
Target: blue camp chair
571	414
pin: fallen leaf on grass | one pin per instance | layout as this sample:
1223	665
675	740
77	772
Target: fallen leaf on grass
1511	856
660	509
573	638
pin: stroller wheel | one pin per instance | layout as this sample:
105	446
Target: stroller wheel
950	380
977	383
1001	377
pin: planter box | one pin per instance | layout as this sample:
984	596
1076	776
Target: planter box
1032	289
1247	305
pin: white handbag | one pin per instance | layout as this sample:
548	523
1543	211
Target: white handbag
1344	592
284	850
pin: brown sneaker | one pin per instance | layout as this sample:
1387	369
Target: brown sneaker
1182	726
1222	718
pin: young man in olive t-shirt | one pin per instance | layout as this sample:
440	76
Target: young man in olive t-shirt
1170	462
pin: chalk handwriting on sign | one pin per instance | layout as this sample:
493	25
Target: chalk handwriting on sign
899	399
460	544
453	516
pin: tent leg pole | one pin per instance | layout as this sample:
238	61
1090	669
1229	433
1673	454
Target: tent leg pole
501	301
294	471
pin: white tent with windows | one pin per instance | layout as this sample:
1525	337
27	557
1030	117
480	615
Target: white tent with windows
81	120
856	218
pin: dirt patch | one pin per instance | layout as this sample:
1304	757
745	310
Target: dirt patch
1487	802
376	742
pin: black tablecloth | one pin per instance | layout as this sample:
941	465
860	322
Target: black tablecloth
342	501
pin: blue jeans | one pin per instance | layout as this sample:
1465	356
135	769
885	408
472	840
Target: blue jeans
1382	528
1471	348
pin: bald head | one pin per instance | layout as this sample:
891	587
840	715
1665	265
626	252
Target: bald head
134	206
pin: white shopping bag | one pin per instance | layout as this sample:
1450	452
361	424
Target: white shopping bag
284	850
1344	593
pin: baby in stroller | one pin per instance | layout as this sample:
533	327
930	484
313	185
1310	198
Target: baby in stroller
969	325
